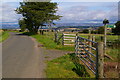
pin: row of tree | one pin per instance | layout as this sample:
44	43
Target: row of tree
37	14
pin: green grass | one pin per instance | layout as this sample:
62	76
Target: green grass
98	37
65	67
113	53
48	41
3	36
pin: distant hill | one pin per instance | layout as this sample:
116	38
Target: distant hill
10	26
63	25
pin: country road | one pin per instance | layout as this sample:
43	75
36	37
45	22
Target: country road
21	58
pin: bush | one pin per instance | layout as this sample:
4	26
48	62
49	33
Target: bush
101	30
85	31
117	29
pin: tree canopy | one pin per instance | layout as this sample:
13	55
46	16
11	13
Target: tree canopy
36	14
117	29
101	30
22	24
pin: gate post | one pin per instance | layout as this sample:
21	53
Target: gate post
100	61
56	36
63	39
76	44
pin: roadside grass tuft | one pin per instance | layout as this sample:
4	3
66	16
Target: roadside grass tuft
65	67
3	36
113	53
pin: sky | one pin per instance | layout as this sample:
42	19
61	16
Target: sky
73	11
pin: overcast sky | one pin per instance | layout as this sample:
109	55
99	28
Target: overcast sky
72	12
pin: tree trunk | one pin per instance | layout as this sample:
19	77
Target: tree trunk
41	31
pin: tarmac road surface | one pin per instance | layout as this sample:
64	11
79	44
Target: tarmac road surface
20	58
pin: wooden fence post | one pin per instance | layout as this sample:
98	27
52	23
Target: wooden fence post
100	61
101	38
90	44
56	36
63	39
76	44
93	38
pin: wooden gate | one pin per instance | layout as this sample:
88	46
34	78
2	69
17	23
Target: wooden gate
68	39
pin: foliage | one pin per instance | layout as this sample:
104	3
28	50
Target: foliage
22	25
36	14
117	29
64	67
101	30
105	21
94	32
85	31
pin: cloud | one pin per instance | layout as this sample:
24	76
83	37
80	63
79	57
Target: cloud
92	12
77	12
8	13
85	0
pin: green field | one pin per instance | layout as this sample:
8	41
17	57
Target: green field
98	36
3	35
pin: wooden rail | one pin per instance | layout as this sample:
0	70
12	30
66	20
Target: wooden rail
66	39
69	39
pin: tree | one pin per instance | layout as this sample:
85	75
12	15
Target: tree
85	31
117	29
100	30
36	14
22	24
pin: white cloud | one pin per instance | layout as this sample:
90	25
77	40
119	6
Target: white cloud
85	0
66	0
81	13
11	0
74	13
8	13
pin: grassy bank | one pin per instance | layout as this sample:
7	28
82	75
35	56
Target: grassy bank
48	41
3	35
66	67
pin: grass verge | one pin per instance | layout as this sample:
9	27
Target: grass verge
66	67
3	36
48	41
